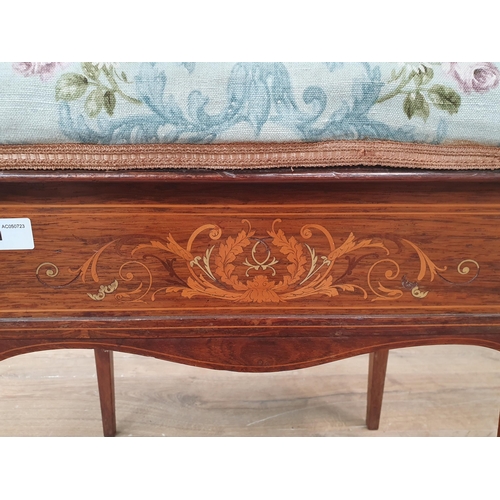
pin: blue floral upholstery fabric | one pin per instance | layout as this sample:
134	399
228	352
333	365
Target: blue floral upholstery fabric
122	103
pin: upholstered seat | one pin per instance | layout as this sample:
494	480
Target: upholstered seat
451	104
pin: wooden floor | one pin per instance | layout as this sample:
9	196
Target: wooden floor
430	391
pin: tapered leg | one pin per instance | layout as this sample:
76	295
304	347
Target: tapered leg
498	431
106	383
376	379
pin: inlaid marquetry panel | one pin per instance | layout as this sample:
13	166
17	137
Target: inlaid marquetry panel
150	262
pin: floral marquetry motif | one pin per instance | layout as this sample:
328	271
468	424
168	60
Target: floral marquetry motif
250	266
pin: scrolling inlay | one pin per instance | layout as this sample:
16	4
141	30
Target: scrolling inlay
217	273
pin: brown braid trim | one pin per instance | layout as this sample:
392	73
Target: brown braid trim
236	156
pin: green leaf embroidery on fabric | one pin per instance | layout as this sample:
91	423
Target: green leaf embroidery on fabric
91	70
409	106
445	98
423	77
109	102
415	104
94	103
71	86
395	75
421	106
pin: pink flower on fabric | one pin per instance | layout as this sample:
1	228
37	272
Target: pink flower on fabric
474	76
44	70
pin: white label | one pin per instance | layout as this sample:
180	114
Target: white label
16	234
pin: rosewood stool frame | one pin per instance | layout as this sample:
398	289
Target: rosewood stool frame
251	271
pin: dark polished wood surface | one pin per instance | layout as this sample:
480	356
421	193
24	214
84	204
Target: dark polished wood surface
106	383
260	271
376	380
279	175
